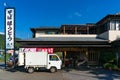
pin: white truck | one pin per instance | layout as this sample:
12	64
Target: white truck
36	60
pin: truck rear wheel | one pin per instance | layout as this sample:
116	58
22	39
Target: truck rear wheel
30	70
53	69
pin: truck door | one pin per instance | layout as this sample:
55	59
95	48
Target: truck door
54	61
21	59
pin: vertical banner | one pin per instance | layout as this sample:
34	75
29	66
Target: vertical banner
9	31
9	24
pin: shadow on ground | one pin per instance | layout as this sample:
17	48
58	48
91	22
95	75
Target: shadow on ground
2	65
105	74
16	69
96	72
87	71
11	69
22	69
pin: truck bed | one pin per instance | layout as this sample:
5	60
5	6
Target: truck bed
36	59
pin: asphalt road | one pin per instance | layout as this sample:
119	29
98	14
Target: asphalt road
64	74
22	75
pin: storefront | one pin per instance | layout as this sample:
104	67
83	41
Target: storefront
73	52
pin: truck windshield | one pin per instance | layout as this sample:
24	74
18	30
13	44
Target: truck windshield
53	58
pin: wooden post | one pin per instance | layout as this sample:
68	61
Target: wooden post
98	57
64	29
75	30
87	30
87	55
64	57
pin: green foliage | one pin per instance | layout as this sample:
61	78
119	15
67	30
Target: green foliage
2	58
110	66
17	44
107	65
108	60
2	43
106	57
60	55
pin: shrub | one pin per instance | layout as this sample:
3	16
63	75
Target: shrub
110	66
107	65
115	67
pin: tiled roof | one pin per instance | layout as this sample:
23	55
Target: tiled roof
65	39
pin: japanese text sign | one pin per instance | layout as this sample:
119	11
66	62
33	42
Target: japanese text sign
9	24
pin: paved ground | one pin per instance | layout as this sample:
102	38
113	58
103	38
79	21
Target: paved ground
91	74
65	74
22	75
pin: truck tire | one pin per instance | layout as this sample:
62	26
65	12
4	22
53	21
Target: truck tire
30	70
53	69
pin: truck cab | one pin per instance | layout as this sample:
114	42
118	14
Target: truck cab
54	62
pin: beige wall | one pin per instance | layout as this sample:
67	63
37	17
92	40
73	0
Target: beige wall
114	35
110	35
63	35
39	33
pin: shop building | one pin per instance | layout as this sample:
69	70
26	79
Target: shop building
75	42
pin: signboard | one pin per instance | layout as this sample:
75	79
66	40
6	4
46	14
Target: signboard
9	24
49	50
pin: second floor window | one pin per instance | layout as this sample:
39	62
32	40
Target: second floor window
115	25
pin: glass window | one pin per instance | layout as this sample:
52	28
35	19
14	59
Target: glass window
108	26
53	58
117	25
112	25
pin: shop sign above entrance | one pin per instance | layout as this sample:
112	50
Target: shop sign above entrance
49	50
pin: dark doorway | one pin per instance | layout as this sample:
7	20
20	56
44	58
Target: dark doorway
75	59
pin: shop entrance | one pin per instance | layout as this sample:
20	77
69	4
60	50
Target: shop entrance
75	59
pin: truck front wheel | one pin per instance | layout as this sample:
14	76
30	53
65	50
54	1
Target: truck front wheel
53	69
30	70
